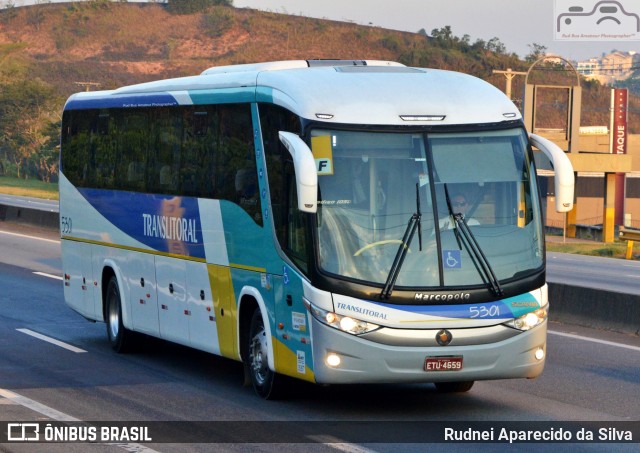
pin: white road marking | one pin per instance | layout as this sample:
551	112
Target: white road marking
44	274
51	340
595	340
37	407
53	241
339	444
62	417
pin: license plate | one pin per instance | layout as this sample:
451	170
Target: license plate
443	363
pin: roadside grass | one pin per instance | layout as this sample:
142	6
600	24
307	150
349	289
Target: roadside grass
28	188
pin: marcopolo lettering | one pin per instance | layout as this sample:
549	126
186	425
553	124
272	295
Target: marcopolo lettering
444	297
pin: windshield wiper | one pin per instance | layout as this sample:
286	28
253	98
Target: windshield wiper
482	263
415	222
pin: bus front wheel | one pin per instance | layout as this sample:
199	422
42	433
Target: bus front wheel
119	336
454	387
265	381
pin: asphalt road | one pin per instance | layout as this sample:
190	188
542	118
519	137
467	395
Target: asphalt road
30	202
590	376
609	274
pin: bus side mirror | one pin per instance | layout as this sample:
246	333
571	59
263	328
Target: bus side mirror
564	178
306	174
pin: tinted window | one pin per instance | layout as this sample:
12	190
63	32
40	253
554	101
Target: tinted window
200	151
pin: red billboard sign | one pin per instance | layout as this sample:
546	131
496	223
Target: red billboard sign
619	132
619	135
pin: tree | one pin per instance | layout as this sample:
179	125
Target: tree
537	51
443	36
195	6
495	45
217	21
46	155
27	109
36	15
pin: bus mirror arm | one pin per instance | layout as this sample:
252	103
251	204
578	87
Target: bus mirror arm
306	174
564	178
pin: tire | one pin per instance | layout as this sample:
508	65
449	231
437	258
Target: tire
119	336
454	387
265	382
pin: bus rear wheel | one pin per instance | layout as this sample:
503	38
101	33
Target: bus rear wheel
454	387
266	382
119	335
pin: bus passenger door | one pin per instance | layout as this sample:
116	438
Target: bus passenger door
78	283
173	310
203	333
143	297
292	339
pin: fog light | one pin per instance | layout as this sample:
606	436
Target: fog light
539	354
333	360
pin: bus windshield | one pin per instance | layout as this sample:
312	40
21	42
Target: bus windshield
372	184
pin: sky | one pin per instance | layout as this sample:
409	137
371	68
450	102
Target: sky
517	23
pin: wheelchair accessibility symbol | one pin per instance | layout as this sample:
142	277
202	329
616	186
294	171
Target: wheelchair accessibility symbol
451	259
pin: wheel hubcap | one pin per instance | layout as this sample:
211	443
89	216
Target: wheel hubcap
259	356
114	318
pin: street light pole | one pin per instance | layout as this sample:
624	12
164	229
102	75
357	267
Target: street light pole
509	75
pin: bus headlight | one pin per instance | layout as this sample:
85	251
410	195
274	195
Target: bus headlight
530	320
344	323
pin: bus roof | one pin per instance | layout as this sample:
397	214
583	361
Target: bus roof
348	92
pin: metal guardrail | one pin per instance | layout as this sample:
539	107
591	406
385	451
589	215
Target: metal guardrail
627	234
29	215
630	236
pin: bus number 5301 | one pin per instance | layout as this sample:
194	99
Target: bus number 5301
481	311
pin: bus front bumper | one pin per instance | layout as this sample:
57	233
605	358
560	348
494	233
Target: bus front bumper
363	361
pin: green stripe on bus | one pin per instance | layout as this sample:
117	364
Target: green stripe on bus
223	96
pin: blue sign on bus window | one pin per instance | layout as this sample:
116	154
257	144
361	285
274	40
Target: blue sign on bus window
451	259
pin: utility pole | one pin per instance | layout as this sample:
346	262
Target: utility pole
87	85
509	74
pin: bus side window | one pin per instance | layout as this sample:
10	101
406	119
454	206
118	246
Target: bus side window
236	169
78	161
290	224
131	159
196	177
164	151
296	228
103	147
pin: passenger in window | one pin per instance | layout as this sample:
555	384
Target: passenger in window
247	192
459	205
246	187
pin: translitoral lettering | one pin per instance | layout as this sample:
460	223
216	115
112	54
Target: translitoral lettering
169	228
362	311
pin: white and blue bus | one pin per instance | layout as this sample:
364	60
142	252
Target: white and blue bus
341	222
